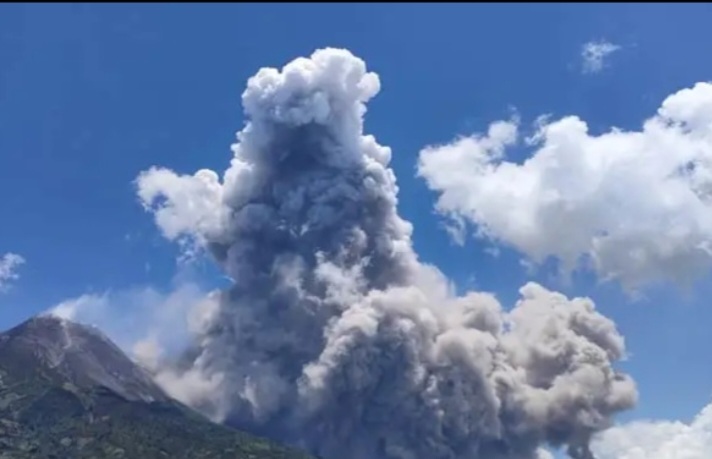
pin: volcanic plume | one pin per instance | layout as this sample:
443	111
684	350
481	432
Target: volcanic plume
334	336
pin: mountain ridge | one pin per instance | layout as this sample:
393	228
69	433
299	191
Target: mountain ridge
67	391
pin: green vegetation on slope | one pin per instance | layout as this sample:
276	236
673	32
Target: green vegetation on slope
43	415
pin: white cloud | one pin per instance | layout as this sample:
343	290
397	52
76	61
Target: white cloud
633	205
658	439
594	54
8	269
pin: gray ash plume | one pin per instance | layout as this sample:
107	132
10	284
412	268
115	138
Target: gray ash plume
334	336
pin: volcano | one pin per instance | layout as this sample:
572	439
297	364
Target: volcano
67	391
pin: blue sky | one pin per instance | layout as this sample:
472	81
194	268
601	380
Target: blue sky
90	95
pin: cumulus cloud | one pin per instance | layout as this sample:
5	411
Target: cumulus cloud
8	269
658	439
594	54
334	336
632	205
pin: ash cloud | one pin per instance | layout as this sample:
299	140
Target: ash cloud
334	336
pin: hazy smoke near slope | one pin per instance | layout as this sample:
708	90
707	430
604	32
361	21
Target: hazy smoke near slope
334	336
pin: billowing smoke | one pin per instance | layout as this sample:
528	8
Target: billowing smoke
334	336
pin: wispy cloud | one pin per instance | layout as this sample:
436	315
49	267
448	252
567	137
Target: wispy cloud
8	269
594	54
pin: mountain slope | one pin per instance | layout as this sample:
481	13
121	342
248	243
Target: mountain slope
66	391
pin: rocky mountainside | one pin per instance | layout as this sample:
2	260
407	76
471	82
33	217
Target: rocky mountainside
67	392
